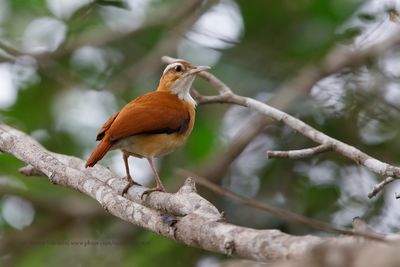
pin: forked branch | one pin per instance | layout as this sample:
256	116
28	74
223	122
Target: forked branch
342	59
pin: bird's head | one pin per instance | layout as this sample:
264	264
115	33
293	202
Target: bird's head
178	77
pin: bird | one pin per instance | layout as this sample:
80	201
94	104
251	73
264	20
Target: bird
152	125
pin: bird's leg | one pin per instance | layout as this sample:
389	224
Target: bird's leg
159	186
131	182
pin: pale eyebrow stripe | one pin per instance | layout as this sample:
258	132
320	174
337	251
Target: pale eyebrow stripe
170	66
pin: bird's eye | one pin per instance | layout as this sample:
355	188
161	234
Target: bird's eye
178	68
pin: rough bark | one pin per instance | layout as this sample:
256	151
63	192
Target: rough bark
195	221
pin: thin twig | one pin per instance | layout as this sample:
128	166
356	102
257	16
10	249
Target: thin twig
379	186
298	154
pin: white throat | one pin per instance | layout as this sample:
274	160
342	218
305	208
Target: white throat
181	89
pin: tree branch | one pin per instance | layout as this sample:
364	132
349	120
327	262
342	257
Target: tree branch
201	226
336	61
198	223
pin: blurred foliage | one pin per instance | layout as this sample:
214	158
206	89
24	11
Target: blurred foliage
63	58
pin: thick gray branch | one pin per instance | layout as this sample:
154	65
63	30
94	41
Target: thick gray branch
198	223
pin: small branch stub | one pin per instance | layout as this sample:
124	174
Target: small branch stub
29	170
188	187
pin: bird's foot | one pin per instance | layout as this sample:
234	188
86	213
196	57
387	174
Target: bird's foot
130	183
148	191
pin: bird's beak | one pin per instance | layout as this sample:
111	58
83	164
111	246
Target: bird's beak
198	69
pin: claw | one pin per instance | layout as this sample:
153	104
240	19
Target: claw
131	182
148	191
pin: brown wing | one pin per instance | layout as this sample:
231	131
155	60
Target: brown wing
155	112
106	126
152	113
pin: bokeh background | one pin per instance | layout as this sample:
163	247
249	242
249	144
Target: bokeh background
66	65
